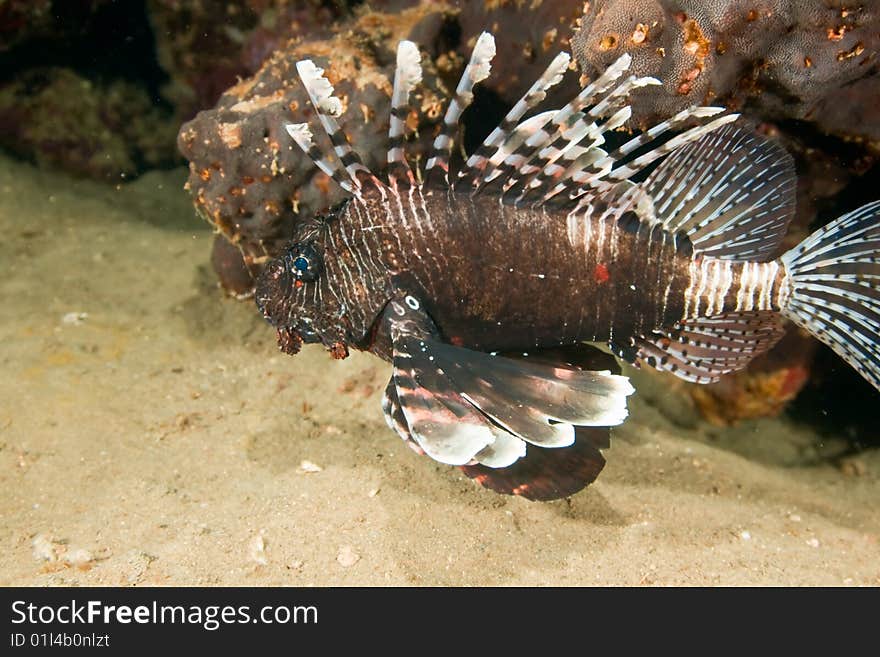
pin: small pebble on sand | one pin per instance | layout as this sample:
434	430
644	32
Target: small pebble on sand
257	550
347	557
74	318
44	549
306	467
79	558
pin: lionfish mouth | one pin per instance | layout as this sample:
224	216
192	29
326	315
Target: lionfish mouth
290	341
307	335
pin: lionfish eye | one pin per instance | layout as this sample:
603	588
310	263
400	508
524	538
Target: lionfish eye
305	262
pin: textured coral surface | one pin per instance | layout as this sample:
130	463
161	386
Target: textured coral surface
247	176
206	45
777	59
250	180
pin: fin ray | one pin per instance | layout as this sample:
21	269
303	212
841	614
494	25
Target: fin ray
835	281
406	76
475	72
477	163
701	350
548	474
731	192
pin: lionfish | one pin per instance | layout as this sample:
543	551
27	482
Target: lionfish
482	286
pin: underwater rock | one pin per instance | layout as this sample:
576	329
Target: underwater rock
230	268
250	181
60	119
205	46
247	176
775	59
529	36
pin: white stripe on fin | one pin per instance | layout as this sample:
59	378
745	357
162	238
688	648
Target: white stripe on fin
701	350
732	192
554	162
406	76
627	171
303	137
518	165
476	71
551	76
603	173
328	107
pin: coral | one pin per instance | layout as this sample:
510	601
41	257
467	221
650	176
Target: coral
103	131
247	176
528	36
77	87
230	267
206	45
251	182
775	59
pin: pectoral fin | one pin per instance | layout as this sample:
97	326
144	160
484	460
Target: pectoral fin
469	408
548	474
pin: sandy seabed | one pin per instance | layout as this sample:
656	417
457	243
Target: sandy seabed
152	434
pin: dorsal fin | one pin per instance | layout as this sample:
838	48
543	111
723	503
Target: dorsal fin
551	163
515	139
407	75
554	161
328	107
568	127
476	71
302	135
478	161
732	192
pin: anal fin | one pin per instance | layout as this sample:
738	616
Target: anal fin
702	350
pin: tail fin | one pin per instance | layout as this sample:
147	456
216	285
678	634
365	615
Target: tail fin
835	288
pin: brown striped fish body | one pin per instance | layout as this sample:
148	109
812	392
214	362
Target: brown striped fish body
482	285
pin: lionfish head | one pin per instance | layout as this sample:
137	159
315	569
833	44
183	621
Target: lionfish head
304	294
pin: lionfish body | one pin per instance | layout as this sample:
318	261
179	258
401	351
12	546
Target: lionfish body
481	285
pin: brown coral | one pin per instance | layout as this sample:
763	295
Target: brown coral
247	176
778	59
249	179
